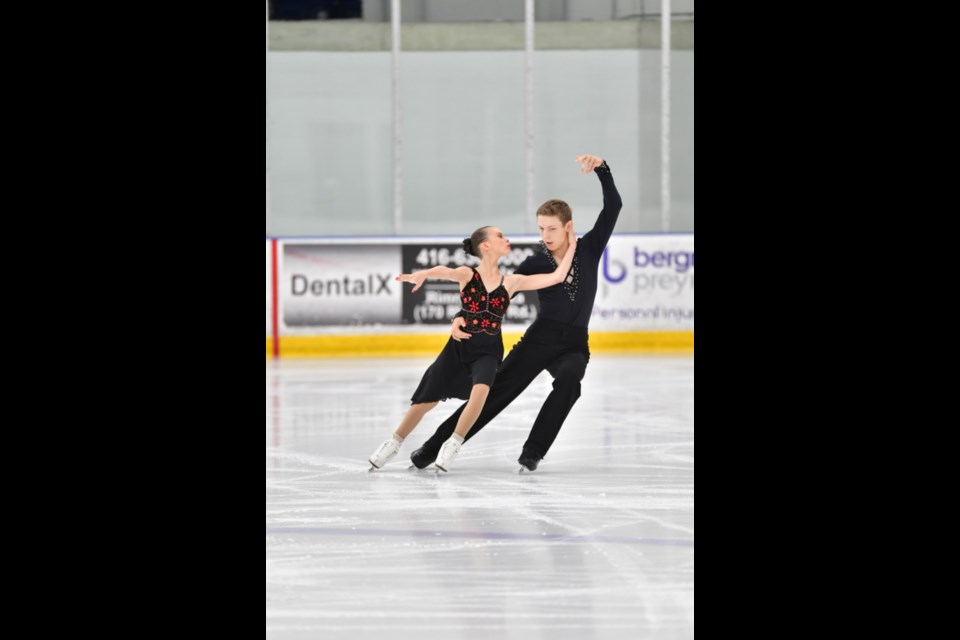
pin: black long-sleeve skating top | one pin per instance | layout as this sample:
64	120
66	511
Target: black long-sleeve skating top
572	303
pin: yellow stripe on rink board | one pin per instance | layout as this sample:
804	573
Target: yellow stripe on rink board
361	345
382	345
640	342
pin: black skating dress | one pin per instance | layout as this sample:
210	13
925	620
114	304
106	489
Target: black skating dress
475	361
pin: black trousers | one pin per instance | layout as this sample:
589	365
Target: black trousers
562	350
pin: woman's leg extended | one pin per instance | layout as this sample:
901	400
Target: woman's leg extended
414	415
478	396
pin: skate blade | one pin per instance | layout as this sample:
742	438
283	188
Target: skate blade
440	469
373	467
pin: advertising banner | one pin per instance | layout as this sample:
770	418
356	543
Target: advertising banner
645	284
338	284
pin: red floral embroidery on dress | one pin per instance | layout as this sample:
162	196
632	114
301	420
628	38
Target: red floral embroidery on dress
486	315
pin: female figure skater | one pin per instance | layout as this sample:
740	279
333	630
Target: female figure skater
466	369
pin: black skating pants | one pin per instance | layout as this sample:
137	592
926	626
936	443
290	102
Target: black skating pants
560	349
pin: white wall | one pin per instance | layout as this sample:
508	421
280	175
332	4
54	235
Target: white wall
463	136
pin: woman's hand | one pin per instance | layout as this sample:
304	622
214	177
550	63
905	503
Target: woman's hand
416	278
